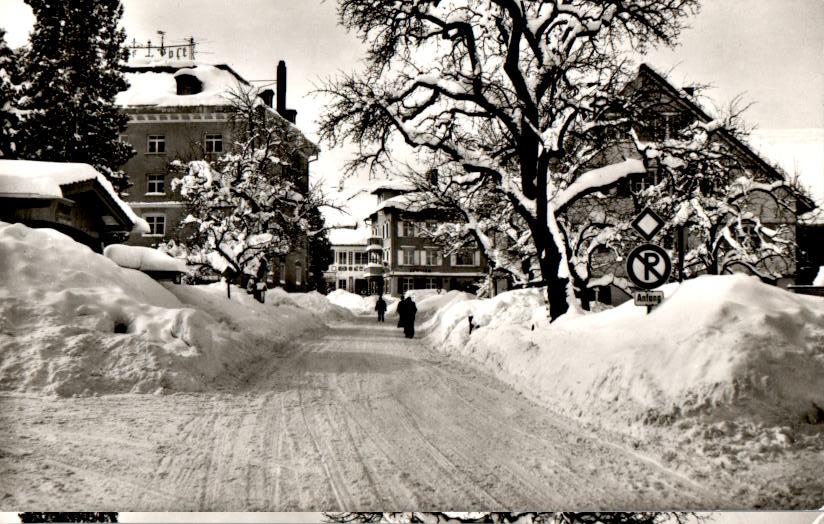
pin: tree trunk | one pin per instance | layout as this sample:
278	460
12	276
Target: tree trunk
556	287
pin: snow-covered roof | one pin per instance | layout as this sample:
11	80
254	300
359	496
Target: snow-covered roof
412	202
347	236
813	218
143	258
391	185
155	85
36	179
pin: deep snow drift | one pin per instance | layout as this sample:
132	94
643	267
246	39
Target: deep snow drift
74	322
726	350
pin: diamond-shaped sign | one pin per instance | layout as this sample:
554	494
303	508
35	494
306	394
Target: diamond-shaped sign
648	223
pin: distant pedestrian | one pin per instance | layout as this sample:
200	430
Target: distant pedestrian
409	313
380	307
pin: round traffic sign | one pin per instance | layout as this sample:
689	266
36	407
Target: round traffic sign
648	266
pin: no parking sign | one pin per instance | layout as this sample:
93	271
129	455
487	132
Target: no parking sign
648	266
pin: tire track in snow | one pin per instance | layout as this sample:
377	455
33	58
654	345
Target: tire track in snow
335	482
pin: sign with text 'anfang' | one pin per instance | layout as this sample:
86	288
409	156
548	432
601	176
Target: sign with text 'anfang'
648	298
648	266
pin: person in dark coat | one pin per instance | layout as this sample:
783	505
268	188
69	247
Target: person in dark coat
380	307
409	311
402	313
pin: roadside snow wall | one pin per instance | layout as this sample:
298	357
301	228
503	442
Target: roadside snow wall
73	322
721	347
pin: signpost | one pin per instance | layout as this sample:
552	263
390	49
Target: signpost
648	265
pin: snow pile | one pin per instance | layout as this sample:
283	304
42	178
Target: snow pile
311	301
143	258
357	304
274	322
431	302
722	348
72	322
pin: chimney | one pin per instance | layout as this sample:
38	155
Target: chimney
288	114
281	86
267	95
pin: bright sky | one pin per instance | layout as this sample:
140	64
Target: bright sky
771	51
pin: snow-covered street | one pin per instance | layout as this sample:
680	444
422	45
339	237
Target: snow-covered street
359	417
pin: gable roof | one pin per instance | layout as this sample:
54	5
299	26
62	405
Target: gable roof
646	71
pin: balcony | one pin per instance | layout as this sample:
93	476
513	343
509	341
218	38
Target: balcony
373	270
374	243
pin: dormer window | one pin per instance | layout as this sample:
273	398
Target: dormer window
188	84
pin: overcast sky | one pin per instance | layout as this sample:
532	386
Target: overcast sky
771	51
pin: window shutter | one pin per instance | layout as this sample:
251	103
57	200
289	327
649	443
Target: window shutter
477	258
417	257
400	228
400	260
439	259
453	259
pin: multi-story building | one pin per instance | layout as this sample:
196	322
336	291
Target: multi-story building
669	110
179	110
350	260
388	252
402	258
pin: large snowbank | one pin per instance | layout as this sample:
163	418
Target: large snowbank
719	348
72	322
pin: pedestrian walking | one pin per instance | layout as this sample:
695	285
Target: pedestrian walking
409	313
401	312
380	307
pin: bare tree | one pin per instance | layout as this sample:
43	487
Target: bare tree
495	90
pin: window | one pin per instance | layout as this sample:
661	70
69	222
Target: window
155	184
360	258
432	283
432	258
409	257
298	270
213	144
341	258
157	225
746	233
464	258
407	284
282	273
157	144
406	229
641	182
342	283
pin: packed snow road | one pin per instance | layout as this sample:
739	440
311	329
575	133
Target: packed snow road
359	418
